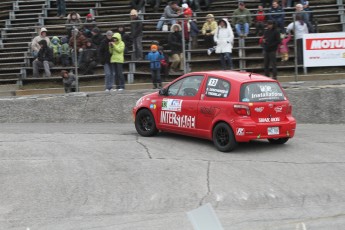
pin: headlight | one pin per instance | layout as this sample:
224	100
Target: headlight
139	101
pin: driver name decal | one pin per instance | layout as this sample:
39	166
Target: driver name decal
171	118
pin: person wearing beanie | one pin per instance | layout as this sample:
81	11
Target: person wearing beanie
88	60
44	60
136	35
35	47
155	58
68	81
104	58
97	37
116	49
88	25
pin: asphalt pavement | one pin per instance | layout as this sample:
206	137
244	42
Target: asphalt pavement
104	176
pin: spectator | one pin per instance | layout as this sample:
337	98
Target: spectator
193	30
61	8
97	37
224	38
300	28
312	26
242	20
68	80
300	10
35	47
155	58
208	30
104	58
284	48
264	3
116	49
170	14
126	38
260	21
89	25
88	61
270	42
136	35
185	23
277	15
44	59
175	44
154	4
137	5
65	52
80	45
164	64
73	19
56	46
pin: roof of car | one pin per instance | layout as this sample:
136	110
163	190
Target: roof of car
237	76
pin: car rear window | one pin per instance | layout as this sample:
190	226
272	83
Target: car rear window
261	92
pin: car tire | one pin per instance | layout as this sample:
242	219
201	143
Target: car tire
223	137
278	141
145	123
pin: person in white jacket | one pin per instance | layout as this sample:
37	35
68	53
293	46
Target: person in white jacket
299	27
224	38
35	47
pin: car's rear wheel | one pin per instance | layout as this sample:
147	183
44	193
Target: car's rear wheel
223	137
278	141
145	123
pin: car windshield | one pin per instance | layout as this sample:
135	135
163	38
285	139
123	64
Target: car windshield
261	92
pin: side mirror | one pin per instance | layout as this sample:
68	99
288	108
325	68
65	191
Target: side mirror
163	91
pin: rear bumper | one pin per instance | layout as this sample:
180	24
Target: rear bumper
247	130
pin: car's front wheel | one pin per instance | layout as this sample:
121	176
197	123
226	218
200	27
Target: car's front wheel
145	123
278	141
223	137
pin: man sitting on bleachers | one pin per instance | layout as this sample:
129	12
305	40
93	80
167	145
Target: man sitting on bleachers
171	12
44	59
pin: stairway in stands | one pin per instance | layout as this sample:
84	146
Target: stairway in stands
20	28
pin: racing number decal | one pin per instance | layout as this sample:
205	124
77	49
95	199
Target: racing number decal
213	82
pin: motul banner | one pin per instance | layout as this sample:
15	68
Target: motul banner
325	49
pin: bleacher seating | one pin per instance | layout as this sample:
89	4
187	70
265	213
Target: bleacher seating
21	19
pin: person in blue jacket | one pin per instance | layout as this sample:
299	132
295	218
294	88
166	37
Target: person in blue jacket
155	58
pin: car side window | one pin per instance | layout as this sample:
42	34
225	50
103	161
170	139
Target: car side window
217	87
188	86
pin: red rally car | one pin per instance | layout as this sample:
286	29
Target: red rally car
224	106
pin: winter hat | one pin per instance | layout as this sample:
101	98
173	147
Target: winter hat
64	40
133	12
210	16
154	47
43	30
89	16
96	30
109	33
185	5
188	12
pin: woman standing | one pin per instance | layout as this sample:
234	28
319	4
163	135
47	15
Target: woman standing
224	38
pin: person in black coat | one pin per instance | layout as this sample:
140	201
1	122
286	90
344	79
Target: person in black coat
175	44
89	59
126	38
104	58
270	43
44	59
97	37
136	35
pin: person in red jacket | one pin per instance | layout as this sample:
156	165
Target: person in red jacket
260	21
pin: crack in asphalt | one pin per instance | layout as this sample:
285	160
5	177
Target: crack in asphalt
145	147
207	184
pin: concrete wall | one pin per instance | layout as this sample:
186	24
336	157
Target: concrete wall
319	105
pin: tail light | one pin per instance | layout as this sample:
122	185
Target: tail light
289	109
242	110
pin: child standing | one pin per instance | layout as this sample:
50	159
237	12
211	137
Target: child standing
155	58
283	47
